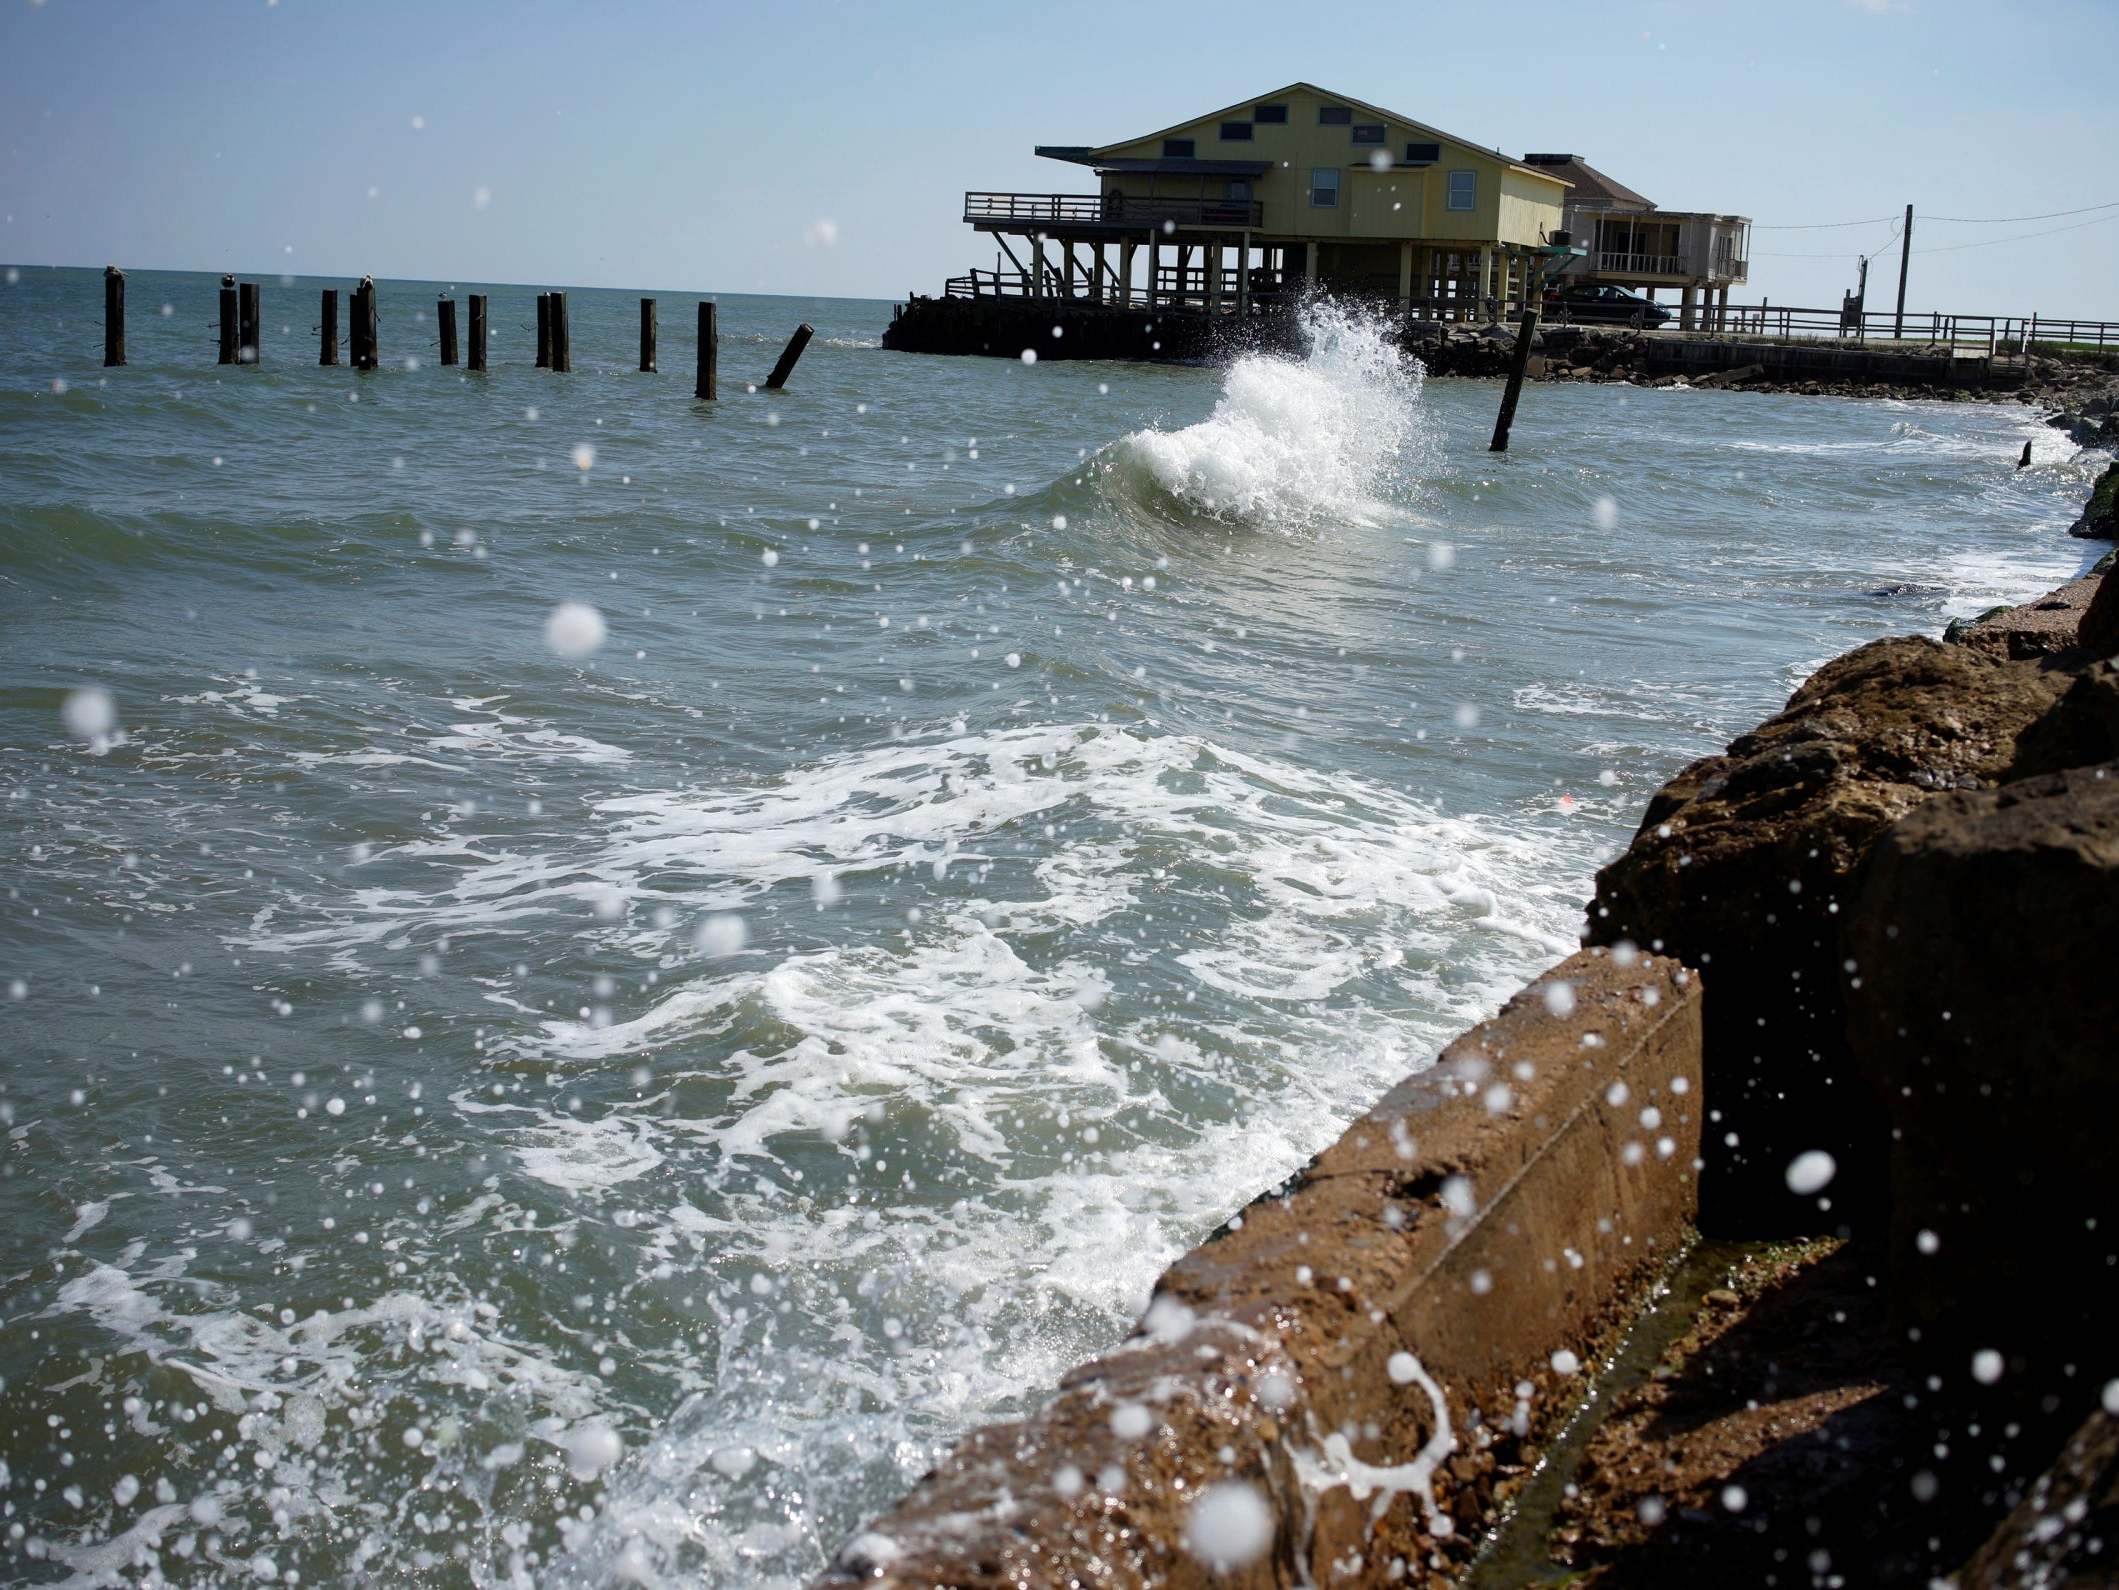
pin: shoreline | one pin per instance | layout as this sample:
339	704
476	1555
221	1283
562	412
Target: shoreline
1366	1370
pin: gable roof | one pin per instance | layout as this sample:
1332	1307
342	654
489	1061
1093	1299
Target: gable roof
1587	181
1095	153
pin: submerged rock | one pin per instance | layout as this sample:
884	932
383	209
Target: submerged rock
1981	1004
2065	1531
1741	867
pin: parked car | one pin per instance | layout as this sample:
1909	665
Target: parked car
1594	301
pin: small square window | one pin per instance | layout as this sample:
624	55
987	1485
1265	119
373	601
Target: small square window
1236	132
1275	114
1324	187
1422	154
1334	116
1177	148
1368	132
1464	190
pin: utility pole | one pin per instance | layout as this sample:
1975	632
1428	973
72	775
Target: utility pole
1905	253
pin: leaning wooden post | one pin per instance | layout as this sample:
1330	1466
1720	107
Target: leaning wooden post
562	344
247	323
544	331
113	316
228	342
478	331
2025	461
445	311
366	352
327	334
647	335
1507	416
709	354
788	356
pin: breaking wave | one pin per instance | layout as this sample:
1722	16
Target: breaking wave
1336	434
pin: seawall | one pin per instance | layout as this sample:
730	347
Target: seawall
1824	1019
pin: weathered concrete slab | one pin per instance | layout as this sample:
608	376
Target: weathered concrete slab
1368	1352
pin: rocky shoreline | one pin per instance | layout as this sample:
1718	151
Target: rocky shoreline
1843	1019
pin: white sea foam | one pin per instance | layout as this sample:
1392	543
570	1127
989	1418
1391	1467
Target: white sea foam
1298	442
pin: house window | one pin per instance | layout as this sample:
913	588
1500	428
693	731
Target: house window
1324	187
1237	190
1177	148
1464	190
1368	132
1276	114
1334	116
1422	154
1236	132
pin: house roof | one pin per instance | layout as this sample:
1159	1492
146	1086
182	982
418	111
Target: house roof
1180	165
1088	156
1587	181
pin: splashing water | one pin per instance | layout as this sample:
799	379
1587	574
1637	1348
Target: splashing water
1298	442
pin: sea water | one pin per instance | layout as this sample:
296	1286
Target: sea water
483	1111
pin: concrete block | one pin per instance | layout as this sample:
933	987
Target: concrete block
1370	1348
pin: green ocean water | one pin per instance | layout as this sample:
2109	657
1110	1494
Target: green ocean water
476	1114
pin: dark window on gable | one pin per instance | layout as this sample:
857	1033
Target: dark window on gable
1269	113
1177	148
1334	116
1236	132
1368	132
1422	154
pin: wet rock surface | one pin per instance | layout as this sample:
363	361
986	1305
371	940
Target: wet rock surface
1371	1354
1983	1008
2100	515
1741	867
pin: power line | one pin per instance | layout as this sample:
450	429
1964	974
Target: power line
1992	242
1889	238
2005	220
1820	226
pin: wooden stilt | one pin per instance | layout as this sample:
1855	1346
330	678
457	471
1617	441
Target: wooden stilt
647	335
709	354
113	316
478	331
562	342
788	356
544	331
228	337
1507	416
247	345
367	350
327	328
445	312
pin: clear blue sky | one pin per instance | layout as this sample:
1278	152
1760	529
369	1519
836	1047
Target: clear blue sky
819	147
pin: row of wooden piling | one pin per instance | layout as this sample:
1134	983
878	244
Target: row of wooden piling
241	306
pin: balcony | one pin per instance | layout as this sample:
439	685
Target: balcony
1060	212
1639	264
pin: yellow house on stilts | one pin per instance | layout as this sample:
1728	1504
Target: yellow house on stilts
1230	212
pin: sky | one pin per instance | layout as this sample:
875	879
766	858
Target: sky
823	146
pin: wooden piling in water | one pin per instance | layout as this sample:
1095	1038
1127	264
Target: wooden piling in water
647	336
445	312
327	328
1507	416
788	356
709	354
2025	461
228	342
478	331
113	316
367	353
247	335
562	343
544	331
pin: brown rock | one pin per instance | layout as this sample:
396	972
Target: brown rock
1740	867
1981	1003
2098	633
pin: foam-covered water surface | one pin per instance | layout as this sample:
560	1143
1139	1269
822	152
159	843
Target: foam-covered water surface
485	1111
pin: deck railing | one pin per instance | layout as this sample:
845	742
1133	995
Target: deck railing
1642	264
1108	209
